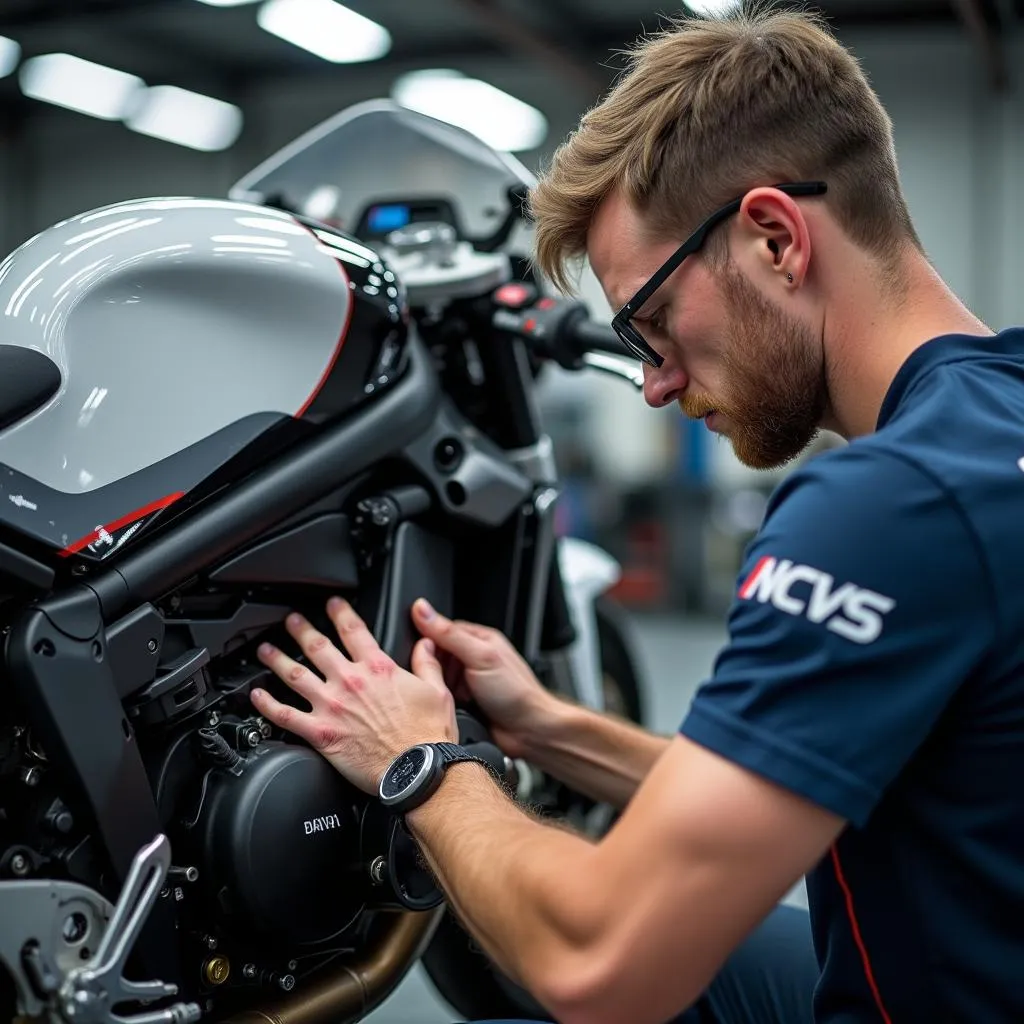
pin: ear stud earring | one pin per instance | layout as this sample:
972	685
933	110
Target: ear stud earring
789	278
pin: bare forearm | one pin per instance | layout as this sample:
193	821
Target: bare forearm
510	879
603	757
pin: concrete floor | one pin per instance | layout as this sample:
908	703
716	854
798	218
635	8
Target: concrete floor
677	655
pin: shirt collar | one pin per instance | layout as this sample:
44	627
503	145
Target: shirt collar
946	348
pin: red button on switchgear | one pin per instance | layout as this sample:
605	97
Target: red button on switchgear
513	295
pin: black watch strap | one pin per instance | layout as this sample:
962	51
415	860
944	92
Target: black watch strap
452	753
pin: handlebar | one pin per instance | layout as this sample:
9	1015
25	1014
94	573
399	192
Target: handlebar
595	337
556	329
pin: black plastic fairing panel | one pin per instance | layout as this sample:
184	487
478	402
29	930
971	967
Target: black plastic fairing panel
97	524
219	635
20	572
491	569
314	553
28	380
133	647
301	476
421	565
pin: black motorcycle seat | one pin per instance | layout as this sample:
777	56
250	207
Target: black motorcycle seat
28	379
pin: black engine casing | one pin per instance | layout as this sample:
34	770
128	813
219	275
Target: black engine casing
280	845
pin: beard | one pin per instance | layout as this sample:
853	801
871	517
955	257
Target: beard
775	393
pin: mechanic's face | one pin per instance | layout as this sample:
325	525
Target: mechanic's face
731	356
770	394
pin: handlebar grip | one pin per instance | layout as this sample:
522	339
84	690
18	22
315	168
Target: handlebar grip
594	337
557	329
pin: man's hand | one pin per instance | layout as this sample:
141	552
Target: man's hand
366	710
483	665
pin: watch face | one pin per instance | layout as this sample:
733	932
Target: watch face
401	774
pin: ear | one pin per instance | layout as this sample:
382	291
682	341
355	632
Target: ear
774	238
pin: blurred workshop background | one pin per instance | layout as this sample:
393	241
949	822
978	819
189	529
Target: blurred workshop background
106	100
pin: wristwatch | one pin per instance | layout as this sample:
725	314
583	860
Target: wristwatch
415	775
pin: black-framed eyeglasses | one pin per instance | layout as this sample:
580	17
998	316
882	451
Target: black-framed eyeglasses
628	334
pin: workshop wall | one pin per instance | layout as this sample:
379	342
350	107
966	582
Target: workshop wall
959	145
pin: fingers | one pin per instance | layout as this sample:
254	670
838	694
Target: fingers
454	673
315	646
460	638
358	640
297	677
425	663
284	717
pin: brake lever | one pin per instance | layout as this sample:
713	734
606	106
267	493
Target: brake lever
615	366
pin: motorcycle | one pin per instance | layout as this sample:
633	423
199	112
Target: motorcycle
323	383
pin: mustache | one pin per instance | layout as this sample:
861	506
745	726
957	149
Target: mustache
697	406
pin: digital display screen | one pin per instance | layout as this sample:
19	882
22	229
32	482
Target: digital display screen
378	220
382	219
403	772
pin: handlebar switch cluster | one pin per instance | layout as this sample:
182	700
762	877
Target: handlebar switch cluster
545	324
557	329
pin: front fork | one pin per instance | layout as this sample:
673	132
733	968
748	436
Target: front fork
569	581
587	572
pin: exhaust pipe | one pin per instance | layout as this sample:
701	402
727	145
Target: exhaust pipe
348	993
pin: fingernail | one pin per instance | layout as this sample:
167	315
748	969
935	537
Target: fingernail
428	646
424	610
295	620
335	605
264	650
256	694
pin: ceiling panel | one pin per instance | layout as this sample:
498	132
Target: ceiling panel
566	42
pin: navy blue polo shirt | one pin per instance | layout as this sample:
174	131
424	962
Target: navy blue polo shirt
876	667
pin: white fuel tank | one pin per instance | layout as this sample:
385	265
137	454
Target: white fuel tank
166	335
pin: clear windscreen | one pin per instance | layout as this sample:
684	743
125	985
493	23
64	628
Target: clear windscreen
377	166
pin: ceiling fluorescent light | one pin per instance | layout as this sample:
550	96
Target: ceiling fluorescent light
80	85
10	54
495	117
713	8
325	28
186	118
227	3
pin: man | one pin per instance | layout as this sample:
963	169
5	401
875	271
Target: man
865	723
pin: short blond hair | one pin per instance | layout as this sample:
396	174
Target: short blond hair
711	107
